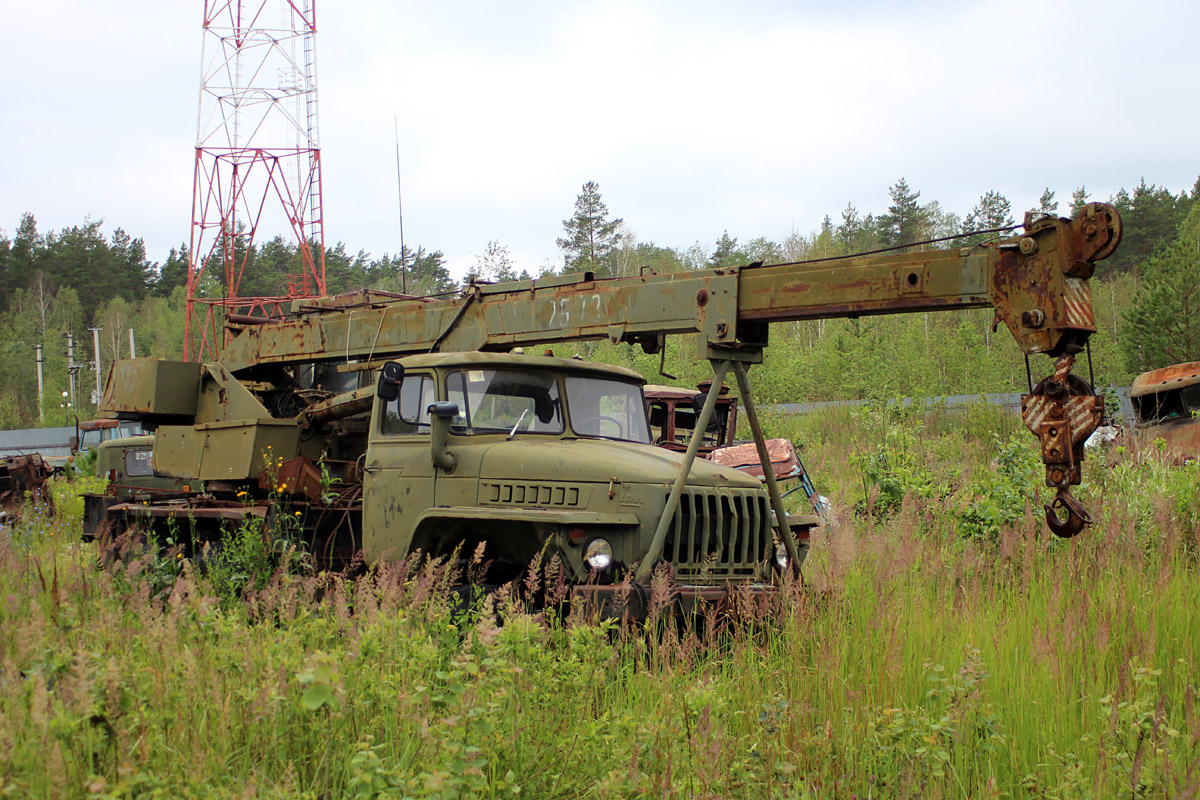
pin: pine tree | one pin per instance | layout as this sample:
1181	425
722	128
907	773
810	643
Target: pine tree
493	265
991	212
1151	216
6	284
1163	325
591	236
173	271
427	273
849	232
1047	204
727	253
905	221
26	248
1079	199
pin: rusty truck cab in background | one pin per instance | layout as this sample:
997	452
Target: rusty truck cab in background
1166	404
673	412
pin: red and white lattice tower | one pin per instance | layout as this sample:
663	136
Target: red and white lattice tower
258	160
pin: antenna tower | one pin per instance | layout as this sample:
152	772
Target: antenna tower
258	161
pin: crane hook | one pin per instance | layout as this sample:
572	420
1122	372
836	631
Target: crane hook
1076	515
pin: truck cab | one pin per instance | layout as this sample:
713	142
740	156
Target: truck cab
127	466
1166	404
533	457
673	413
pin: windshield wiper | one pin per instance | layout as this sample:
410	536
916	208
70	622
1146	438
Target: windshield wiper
520	419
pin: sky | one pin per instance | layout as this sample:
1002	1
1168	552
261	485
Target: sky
757	118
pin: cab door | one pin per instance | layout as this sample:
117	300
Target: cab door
398	476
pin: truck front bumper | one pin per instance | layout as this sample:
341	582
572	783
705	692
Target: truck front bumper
631	602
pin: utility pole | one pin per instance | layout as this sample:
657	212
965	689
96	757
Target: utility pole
132	351
41	385
96	364
72	367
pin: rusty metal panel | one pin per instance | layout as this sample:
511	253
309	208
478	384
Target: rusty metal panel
152	386
519	314
229	451
1176	376
224	398
1181	439
864	285
296	476
1077	301
21	474
784	461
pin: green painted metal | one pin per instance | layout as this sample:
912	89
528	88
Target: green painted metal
151	388
781	515
669	513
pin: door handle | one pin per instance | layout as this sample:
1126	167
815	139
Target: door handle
372	468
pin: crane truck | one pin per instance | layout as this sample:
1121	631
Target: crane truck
389	426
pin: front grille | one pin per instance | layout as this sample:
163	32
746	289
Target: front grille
719	533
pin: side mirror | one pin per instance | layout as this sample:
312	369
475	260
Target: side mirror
443	409
390	378
442	412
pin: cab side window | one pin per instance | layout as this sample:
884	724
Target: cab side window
409	412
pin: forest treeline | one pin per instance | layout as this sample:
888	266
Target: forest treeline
1145	296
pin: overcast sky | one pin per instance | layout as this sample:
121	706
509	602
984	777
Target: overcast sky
758	117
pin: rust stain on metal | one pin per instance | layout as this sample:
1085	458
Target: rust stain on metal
1175	376
21	474
297	476
1166	401
195	508
782	454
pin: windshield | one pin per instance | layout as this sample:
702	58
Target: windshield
1171	404
499	400
606	407
138	463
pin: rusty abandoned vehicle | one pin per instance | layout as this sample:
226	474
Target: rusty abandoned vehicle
396	425
1166	404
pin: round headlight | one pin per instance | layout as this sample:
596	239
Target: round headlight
781	556
598	554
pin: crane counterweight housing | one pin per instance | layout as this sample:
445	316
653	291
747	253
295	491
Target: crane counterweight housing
464	443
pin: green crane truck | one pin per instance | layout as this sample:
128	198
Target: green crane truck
390	426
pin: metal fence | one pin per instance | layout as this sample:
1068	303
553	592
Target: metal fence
49	442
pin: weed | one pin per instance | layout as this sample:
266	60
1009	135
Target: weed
916	662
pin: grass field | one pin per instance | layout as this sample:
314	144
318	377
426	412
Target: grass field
943	646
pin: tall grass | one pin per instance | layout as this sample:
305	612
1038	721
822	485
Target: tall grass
915	661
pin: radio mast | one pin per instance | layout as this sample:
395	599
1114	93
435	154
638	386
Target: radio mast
258	163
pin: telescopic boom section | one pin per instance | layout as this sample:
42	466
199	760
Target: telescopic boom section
1037	283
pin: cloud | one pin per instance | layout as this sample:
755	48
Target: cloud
694	117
